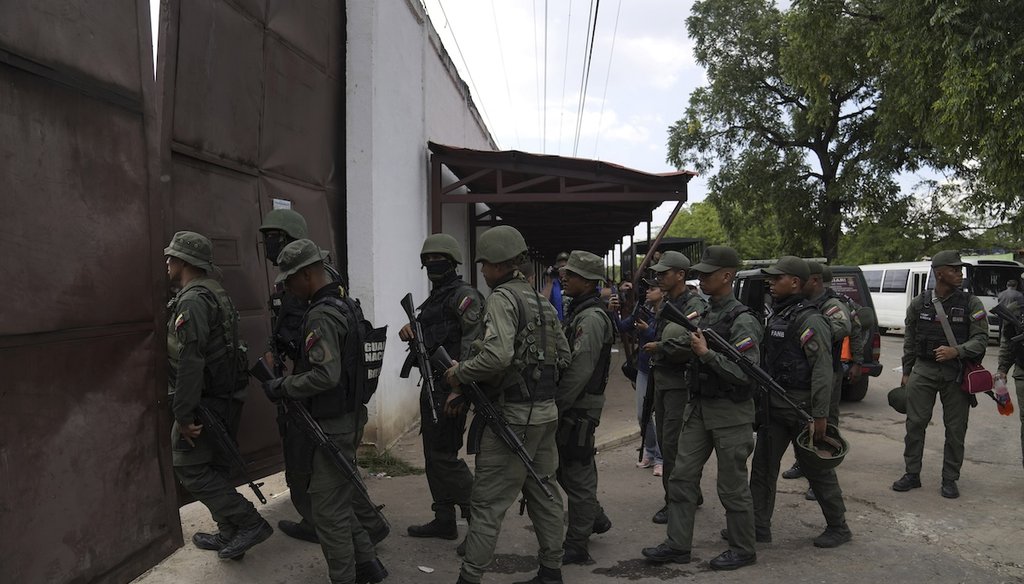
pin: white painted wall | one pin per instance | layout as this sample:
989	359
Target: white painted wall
401	91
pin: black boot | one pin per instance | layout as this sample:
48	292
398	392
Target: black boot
833	536
441	528
575	555
245	539
661	517
663	554
794	472
730	560
300	530
907	482
602	524
370	572
209	541
545	575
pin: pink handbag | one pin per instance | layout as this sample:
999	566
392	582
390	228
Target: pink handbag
976	379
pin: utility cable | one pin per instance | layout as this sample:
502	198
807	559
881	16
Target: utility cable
504	72
465	64
607	75
585	81
565	71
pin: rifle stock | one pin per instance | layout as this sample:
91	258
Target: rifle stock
419	349
496	421
758	375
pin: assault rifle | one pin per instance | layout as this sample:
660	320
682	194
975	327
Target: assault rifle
493	418
1018	322
715	341
418	353
302	418
227	446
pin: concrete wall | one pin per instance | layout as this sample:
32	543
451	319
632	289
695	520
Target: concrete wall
402	90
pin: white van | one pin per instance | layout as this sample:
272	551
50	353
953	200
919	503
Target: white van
894	285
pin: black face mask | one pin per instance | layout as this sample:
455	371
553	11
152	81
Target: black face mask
438	270
273	243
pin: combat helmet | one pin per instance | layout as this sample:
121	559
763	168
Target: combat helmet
824	454
291	222
500	244
444	244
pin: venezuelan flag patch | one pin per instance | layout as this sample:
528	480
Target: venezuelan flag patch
178	322
832	311
311	339
745	344
978	315
465	304
806	336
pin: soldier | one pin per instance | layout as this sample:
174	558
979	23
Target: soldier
670	355
931	366
718	417
452	316
202	347
1011	354
281	227
797	354
840	322
516	363
580	400
320	378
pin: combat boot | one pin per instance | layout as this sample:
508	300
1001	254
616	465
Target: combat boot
731	560
545	575
301	530
949	489
245	539
794	472
575	555
213	542
663	554
602	524
907	482
661	517
441	528
370	572
833	536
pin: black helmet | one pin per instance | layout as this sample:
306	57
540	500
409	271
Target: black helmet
824	454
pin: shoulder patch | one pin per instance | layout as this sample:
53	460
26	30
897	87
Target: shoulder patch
807	335
832	311
978	315
465	304
744	345
693	315
181	320
312	338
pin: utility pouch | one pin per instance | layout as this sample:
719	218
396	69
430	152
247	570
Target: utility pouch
575	437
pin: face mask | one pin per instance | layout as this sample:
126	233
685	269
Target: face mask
438	269
273	243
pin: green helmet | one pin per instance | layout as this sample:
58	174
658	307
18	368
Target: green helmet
291	222
823	454
898	399
444	244
500	244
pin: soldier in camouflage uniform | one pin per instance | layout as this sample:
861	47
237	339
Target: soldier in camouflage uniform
321	379
1011	355
281	227
580	399
202	346
931	367
718	417
797	353
670	355
452	317
516	363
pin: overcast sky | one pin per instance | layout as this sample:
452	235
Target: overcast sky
641	74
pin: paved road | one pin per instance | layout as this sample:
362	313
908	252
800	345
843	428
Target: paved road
898	537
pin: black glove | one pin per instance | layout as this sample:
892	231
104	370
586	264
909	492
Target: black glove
274	389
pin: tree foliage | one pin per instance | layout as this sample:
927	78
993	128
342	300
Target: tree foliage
788	120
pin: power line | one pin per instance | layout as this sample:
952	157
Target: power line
585	79
544	108
565	71
536	58
504	72
607	75
465	64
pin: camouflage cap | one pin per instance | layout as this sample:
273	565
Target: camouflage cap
191	248
297	255
672	260
790	265
585	265
291	222
946	257
716	257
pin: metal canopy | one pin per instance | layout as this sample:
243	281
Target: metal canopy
558	203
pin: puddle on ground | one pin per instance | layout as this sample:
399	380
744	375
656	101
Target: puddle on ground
512	564
639	569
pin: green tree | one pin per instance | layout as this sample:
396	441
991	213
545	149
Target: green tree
788	120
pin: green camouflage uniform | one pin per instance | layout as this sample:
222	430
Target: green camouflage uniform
580	400
512	341
668	367
1011	355
194	331
342	537
840	323
929	378
722	421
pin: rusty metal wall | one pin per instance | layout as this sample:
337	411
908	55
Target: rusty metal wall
252	94
83	442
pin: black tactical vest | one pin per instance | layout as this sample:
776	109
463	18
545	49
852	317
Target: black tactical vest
782	354
704	382
287	313
599	378
439	316
930	335
339	400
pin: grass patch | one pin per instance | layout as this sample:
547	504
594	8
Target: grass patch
387	463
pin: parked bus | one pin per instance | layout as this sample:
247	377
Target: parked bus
894	285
